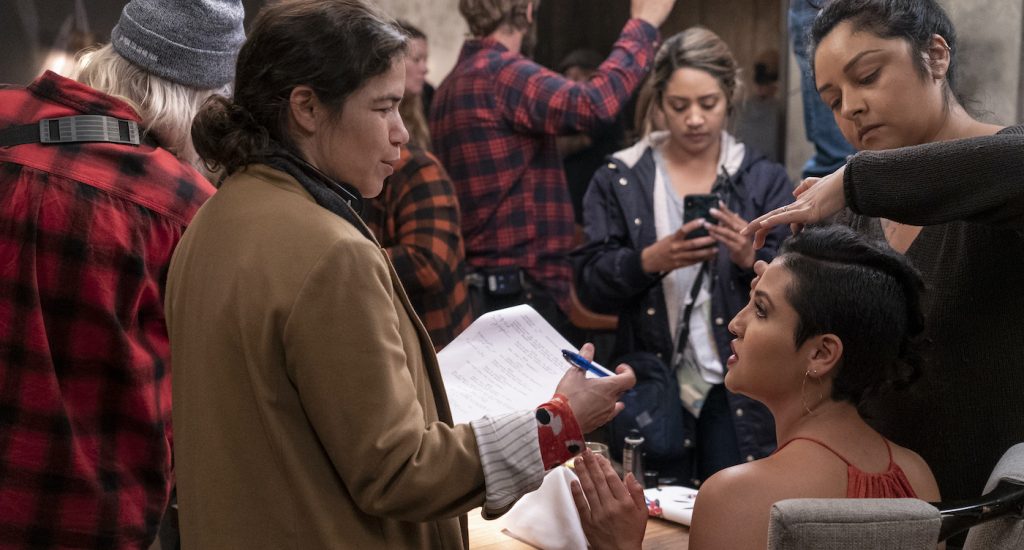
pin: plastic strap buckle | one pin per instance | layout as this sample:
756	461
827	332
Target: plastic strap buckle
88	128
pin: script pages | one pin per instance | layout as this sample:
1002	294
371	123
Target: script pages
671	503
507	360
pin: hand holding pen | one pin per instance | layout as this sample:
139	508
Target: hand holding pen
594	401
578	360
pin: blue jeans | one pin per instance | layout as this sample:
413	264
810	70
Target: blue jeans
830	147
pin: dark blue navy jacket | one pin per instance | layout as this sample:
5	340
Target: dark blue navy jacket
619	224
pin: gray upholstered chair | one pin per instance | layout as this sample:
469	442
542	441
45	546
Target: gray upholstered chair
995	520
1006	528
842	524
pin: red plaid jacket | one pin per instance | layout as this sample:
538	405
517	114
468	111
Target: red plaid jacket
416	219
86	235
494	122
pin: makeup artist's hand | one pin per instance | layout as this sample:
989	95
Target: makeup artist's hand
816	199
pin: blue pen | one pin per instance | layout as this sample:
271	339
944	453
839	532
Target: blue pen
578	360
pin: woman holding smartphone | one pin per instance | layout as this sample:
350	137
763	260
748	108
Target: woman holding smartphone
643	261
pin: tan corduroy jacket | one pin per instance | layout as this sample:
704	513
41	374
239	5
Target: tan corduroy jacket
309	410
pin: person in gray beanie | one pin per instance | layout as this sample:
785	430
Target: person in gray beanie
166	57
190	42
99	180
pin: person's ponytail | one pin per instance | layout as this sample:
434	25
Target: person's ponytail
226	135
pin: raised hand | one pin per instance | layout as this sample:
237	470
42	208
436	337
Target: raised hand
613	511
654	12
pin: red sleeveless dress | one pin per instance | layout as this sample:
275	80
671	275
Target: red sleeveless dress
892	483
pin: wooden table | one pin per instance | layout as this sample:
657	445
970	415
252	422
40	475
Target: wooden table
487	535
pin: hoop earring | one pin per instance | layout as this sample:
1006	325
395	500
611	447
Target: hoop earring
803	386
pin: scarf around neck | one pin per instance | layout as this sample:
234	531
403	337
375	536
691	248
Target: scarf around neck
340	198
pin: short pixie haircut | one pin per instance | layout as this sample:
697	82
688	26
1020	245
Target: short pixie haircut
866	294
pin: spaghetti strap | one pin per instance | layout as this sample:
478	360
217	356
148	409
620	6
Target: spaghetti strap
833	451
892	483
888	448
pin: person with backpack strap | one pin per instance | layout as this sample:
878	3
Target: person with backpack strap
98	179
673	290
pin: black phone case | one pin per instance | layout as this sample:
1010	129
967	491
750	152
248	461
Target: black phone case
699	206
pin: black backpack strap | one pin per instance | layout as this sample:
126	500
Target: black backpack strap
683	332
18	135
73	129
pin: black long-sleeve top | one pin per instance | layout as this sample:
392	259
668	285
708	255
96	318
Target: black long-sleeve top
968	407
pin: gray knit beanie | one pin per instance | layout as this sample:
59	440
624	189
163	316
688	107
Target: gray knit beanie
191	42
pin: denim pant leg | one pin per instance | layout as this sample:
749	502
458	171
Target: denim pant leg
830	147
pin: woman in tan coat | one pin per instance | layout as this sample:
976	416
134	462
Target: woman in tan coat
309	409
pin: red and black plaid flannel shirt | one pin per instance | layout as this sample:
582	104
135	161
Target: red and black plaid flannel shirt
494	121
416	219
86	235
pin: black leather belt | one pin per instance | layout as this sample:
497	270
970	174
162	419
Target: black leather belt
499	281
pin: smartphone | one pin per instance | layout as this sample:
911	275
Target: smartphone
699	206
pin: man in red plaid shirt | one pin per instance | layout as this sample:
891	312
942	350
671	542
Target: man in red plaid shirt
87	229
494	121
